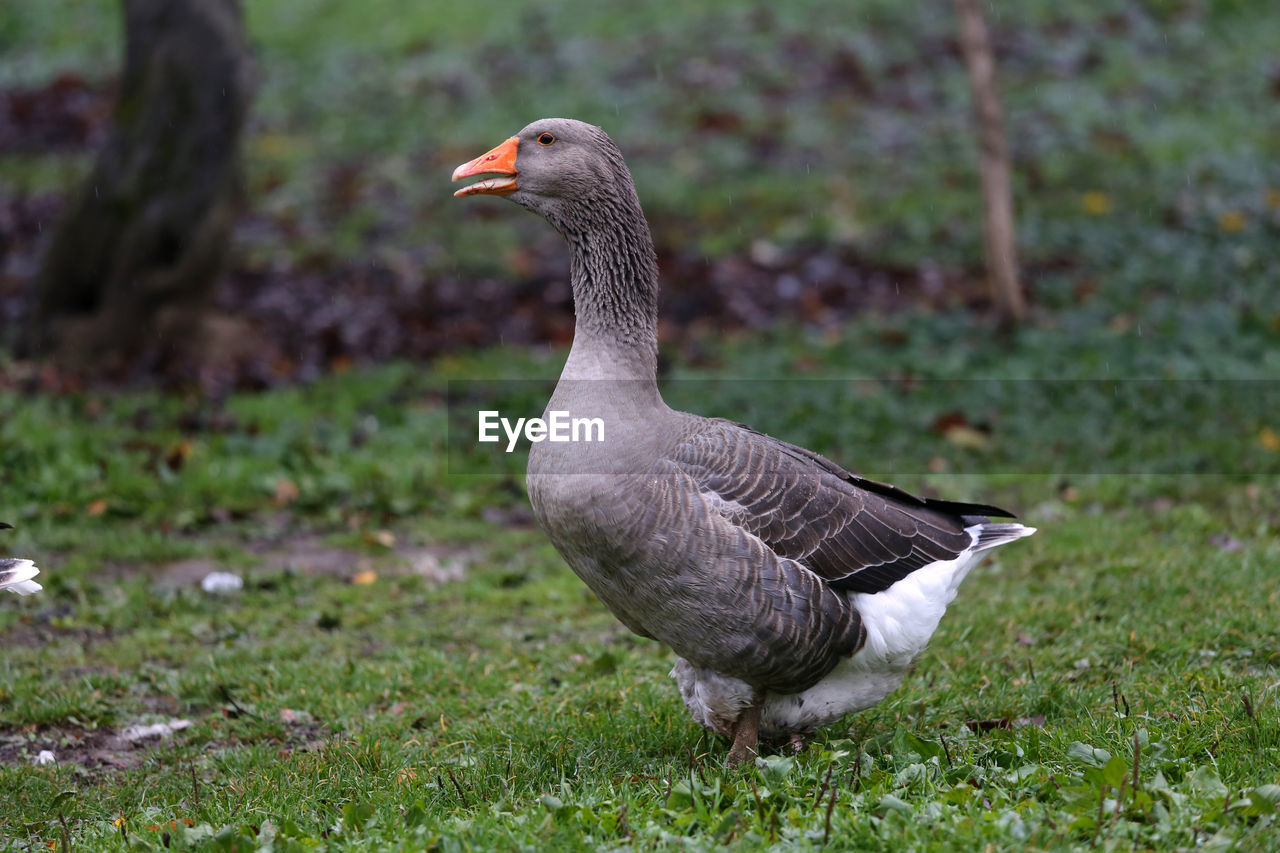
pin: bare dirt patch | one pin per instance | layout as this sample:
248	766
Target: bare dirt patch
101	748
309	555
108	749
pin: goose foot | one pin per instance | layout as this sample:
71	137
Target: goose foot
746	736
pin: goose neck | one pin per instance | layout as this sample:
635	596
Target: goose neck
614	279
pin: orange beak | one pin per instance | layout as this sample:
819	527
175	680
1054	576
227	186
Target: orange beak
501	161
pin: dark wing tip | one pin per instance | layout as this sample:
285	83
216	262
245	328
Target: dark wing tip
5	526
957	508
966	511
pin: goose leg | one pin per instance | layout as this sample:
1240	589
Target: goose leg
746	735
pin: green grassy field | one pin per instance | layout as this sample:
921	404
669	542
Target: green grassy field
411	666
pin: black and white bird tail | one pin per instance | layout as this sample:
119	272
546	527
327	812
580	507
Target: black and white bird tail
16	575
991	534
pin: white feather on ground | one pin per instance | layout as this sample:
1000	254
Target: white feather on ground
16	576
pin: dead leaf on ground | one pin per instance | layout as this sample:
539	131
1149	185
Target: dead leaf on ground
967	438
383	538
957	429
364	578
178	454
286	492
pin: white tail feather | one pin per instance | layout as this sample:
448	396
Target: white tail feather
16	576
992	534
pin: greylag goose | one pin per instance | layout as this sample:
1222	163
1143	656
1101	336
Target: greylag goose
793	591
16	575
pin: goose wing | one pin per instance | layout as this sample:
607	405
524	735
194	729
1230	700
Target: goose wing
858	535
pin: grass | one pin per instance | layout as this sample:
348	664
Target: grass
410	665
742	123
507	709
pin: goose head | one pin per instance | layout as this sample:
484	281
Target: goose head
557	167
573	176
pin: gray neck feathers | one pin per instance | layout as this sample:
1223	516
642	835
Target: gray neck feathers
614	270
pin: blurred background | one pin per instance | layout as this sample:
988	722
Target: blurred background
809	164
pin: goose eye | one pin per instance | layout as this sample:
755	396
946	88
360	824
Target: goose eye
545	139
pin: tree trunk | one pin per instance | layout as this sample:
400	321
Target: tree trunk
1002	254
131	268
